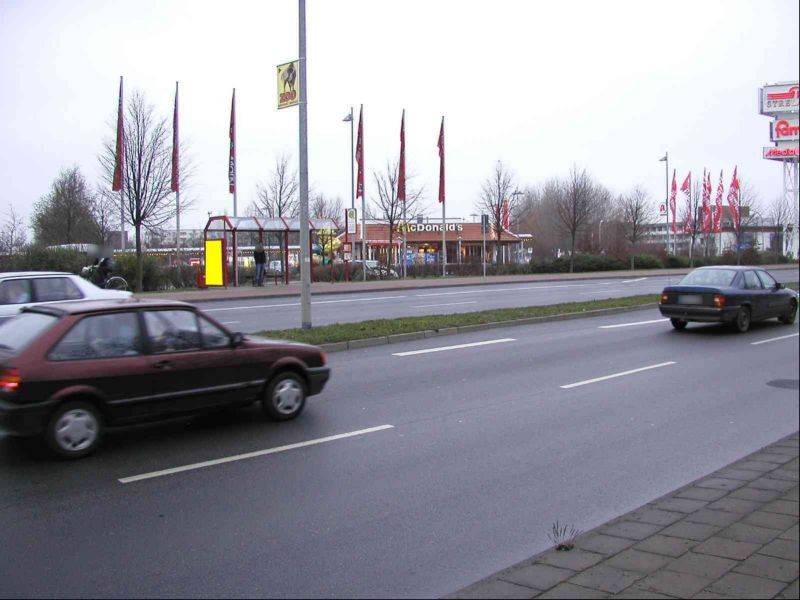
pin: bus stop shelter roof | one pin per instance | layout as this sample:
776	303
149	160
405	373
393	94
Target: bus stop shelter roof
256	224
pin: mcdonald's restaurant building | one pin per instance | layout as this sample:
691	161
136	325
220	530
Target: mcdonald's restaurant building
424	243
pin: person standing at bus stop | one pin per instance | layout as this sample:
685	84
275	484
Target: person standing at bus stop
261	261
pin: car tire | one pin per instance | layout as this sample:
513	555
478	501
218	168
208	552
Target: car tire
679	324
284	397
790	315
742	322
74	430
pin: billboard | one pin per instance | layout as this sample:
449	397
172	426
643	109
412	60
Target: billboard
789	152
784	130
779	99
289	84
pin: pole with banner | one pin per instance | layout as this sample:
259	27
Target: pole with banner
175	184
441	199
118	183
666	197
305	234
360	190
484	227
401	183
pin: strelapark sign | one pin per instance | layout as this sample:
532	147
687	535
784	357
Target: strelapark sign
780	99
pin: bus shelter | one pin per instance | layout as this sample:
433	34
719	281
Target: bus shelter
224	236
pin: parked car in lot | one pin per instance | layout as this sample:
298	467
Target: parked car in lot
69	369
21	289
738	295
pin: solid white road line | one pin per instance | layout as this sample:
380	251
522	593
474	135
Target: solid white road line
446	304
783	337
220	461
603	291
298	304
623	373
443	348
632	324
495	290
634	280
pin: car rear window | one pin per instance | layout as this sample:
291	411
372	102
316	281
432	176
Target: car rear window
719	277
16	333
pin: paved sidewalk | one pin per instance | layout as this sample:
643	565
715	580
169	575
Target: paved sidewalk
732	534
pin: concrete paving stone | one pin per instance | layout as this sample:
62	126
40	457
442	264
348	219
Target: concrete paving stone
770	567
770	457
632	592
704	565
540	577
713	517
730	473
786	549
755	494
682	585
769	520
683	505
783	507
720	483
668	546
699	493
575	559
743	532
607	579
497	588
786	474
602	544
790	443
655	516
753	465
568	590
367	343
691	531
717	546
631	530
786	451
736	506
793	533
712	595
792	495
790	591
767	483
746	586
636	560
397	338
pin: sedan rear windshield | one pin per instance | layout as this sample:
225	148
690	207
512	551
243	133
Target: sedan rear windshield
16	333
716	277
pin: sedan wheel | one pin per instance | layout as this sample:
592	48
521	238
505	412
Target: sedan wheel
285	397
74	430
679	324
790	315
743	320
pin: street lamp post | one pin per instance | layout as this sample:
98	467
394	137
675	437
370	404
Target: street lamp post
665	159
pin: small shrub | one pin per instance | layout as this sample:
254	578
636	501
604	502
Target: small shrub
647	261
563	536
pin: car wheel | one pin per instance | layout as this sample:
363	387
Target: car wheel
789	317
74	430
285	396
743	320
679	324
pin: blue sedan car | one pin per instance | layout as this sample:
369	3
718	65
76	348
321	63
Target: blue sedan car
738	295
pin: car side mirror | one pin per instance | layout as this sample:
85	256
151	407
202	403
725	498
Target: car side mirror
779	286
237	339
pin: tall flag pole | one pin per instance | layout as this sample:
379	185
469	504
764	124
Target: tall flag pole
718	213
673	205
175	183
440	144
360	189
686	190
118	183
401	183
232	154
706	202
733	201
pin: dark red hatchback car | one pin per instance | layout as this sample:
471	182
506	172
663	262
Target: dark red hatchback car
68	370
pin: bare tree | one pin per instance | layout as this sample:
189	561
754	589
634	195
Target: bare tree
692	218
64	215
497	194
105	211
13	234
781	215
147	172
389	208
278	197
746	216
636	212
322	207
574	206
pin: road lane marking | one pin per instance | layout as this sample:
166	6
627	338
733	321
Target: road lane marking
445	304
457	347
783	337
603	291
632	324
495	290
634	280
229	322
298	303
220	461
622	374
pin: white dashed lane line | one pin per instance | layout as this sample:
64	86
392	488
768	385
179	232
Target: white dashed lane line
456	347
615	375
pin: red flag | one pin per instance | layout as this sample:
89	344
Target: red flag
401	177
706	202
175	149
506	215
718	203
686	189
672	204
440	144
119	155
360	154
733	199
232	155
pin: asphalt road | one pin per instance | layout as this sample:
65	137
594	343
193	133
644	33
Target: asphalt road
489	444
251	316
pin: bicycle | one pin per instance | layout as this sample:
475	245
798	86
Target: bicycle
94	274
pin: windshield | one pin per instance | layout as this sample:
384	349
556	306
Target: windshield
18	332
717	277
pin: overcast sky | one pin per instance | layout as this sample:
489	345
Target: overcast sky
609	86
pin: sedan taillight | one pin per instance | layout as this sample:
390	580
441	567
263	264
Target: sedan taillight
719	300
10	380
664	298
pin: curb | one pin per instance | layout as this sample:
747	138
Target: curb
429	333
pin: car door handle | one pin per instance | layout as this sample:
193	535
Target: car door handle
162	364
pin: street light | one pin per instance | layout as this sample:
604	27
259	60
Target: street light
665	159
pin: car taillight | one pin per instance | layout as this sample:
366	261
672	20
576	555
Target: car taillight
10	380
324	358
664	298
719	300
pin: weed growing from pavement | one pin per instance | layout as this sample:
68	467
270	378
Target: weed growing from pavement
563	536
